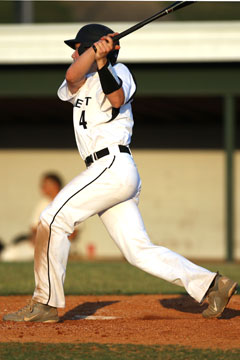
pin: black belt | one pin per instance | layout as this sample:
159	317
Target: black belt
101	153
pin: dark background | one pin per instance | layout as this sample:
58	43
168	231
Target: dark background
85	11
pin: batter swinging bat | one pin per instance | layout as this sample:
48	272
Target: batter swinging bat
175	6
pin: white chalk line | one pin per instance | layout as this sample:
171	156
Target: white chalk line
94	317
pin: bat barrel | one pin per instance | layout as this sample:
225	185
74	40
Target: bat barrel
175	6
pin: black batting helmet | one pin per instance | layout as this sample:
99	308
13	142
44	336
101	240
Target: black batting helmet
88	35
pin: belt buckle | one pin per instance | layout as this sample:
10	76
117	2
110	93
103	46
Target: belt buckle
94	156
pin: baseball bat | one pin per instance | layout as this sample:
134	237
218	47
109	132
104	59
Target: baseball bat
175	6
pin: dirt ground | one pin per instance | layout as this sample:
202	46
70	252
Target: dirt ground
141	319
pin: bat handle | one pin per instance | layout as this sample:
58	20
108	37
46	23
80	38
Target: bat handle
117	37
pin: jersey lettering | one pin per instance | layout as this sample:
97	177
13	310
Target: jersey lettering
82	121
87	98
79	103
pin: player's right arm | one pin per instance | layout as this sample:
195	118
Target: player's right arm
111	85
76	73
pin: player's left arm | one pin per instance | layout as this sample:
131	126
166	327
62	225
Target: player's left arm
111	84
76	73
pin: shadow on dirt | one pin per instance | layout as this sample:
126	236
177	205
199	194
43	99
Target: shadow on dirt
85	309
186	304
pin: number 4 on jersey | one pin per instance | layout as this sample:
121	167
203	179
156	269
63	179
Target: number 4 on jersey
82	120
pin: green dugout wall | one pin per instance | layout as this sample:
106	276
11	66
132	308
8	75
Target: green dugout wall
171	81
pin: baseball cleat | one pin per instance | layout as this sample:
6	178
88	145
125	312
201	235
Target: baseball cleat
219	295
34	311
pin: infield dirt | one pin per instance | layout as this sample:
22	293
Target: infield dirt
138	319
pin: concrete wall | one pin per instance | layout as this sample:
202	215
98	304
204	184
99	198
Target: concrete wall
182	200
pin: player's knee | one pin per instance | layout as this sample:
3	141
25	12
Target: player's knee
59	221
45	216
132	256
137	254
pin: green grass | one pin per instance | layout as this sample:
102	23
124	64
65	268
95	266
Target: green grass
90	351
99	278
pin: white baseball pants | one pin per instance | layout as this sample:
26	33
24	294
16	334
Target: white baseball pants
110	188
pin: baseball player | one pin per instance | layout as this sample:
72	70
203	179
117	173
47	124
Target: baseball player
101	91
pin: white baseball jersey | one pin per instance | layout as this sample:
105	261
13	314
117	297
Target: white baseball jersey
96	123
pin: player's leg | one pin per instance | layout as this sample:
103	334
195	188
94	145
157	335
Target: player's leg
125	225
97	188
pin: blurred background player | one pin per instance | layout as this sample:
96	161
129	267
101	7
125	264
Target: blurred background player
50	185
22	247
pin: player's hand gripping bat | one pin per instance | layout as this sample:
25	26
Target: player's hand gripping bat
175	6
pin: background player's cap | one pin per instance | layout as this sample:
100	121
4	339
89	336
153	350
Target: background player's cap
89	34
